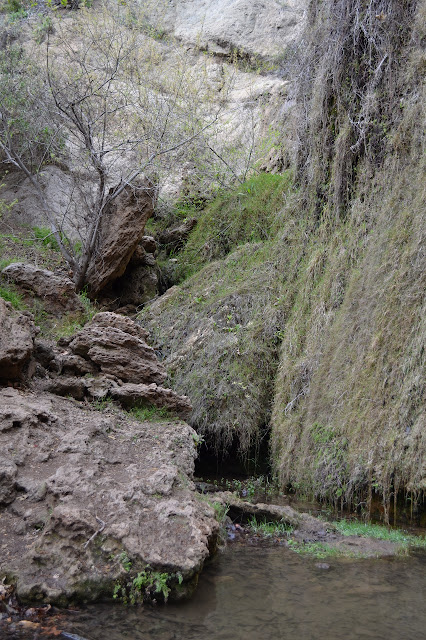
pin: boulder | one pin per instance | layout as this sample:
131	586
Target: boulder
116	345
94	488
121	229
138	285
56	291
174	238
135	395
17	333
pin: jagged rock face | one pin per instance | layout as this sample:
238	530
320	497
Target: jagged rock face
56	291
264	27
116	345
121	229
79	472
17	333
109	358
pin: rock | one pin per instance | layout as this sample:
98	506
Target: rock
122	228
56	291
134	395
67	386
70	364
117	321
95	487
144	253
137	286
175	238
263	27
44	353
8	472
149	244
17	333
65	201
117	346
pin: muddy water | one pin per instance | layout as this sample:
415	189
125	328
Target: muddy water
271	593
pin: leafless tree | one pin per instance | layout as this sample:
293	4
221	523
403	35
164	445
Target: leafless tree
102	99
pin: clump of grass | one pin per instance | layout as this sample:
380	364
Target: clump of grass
270	529
151	414
15	299
380	532
322	550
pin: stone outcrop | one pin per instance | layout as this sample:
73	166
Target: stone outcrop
109	358
17	333
256	27
174	238
116	345
81	489
121	229
56	291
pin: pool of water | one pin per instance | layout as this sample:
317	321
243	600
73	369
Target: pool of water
255	593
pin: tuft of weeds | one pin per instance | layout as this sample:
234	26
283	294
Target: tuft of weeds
380	532
151	414
270	529
10	295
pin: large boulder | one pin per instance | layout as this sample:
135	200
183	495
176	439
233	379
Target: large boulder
116	345
55	290
17	333
121	229
101	496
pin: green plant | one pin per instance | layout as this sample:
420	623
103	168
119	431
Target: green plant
321	550
146	585
10	295
269	529
151	414
380	532
197	439
42	28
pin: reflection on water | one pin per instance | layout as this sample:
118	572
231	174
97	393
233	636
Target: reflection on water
256	593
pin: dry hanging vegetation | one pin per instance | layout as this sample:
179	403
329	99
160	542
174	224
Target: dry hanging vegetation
338	276
349	415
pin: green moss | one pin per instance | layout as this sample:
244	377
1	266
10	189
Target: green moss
322	550
246	214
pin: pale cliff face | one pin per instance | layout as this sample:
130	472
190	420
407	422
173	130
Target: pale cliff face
263	27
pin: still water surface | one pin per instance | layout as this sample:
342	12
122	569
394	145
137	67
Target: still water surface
271	593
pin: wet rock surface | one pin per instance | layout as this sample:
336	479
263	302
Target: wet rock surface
82	489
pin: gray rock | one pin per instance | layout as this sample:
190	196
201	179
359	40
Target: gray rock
118	353
122	228
263	27
56	291
95	487
134	395
17	333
